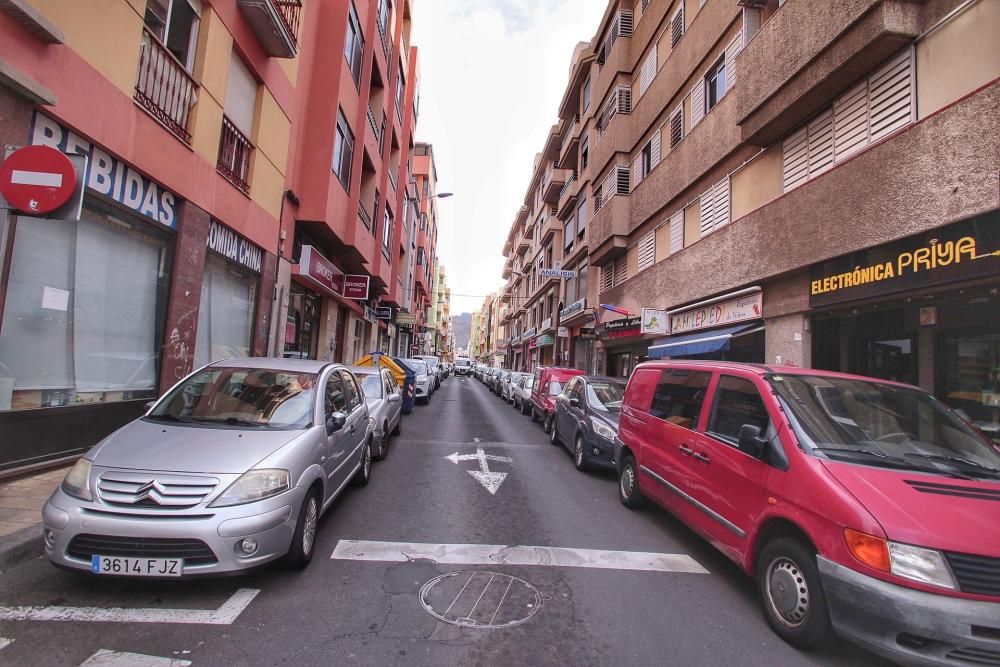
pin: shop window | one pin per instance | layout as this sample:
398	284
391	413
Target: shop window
679	396
225	317
737	402
971	382
84	309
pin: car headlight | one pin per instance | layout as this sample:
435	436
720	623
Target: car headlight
421	379
77	480
602	429
253	486
927	566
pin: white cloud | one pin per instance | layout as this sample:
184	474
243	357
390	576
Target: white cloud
492	75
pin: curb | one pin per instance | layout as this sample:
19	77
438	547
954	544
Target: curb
20	547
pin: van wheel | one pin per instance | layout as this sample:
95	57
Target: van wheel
534	415
792	594
547	424
304	538
628	484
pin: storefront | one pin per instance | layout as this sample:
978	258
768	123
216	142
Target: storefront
924	310
313	277
623	345
727	328
578	344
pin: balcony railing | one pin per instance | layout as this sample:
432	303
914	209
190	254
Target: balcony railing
568	185
234	156
392	178
276	23
290	12
364	216
163	86
374	125
570	133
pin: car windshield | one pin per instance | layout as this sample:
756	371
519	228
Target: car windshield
555	388
606	396
881	424
462	362
372	384
529	382
249	397
418	365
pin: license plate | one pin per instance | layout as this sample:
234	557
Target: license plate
137	567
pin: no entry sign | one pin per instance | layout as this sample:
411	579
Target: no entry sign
37	179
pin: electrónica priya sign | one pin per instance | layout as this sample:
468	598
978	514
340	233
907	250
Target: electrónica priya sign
965	250
108	175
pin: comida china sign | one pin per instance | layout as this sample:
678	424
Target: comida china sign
107	175
730	309
234	247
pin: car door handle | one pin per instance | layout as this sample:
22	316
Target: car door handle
353	428
702	457
686	451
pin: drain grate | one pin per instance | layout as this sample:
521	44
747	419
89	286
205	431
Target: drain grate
480	599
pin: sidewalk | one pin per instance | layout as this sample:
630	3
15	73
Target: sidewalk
21	502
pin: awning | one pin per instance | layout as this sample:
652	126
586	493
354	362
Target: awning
702	342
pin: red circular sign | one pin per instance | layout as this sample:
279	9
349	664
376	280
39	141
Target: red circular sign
37	179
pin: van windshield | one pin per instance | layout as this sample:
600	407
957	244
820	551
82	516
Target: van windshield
881	424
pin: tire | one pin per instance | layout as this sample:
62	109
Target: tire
303	545
364	473
383	444
628	484
553	431
788	565
578	454
422	401
548	423
399	426
534	415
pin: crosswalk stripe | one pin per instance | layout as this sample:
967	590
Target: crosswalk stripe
106	658
498	554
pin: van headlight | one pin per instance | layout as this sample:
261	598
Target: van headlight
919	564
253	486
77	480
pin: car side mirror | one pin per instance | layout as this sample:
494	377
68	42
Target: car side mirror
335	422
574	401
750	442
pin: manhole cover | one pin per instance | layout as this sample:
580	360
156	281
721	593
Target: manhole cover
480	599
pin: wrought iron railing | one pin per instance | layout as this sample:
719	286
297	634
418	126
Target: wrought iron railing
163	86
234	156
374	125
290	12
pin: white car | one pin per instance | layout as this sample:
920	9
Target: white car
423	384
522	393
507	390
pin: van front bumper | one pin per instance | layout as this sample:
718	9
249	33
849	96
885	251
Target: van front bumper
910	626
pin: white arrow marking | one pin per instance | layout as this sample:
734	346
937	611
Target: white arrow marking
5	642
491	481
106	658
18	177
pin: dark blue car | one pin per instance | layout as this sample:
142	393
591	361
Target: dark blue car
586	419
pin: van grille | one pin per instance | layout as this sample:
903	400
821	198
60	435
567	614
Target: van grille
194	552
976	574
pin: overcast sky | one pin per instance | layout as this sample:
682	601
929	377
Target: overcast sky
492	75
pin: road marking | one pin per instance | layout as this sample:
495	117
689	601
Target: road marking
42	178
5	642
224	615
104	658
476	439
498	554
491	481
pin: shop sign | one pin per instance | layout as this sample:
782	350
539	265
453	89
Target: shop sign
965	250
624	328
533	344
556	273
406	318
384	312
369	314
321	271
108	175
720	313
356	287
546	324
655	321
234	247
563	332
544	340
528	333
572	309
588	333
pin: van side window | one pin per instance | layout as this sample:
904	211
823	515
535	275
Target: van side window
737	402
679	396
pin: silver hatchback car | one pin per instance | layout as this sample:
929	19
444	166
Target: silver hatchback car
385	405
229	470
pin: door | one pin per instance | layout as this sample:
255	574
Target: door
676	411
562	417
393	398
338	444
729	484
340	337
357	417
575	414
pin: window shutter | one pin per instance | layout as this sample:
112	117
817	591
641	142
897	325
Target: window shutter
850	122
891	93
621	270
241	95
732	51
698	101
607	276
677	125
655	147
677	232
637	169
707	211
647	250
722	203
677	25
648	71
820	143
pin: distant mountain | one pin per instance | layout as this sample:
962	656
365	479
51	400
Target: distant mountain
461	325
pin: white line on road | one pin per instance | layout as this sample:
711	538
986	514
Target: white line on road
106	658
498	554
5	642
224	615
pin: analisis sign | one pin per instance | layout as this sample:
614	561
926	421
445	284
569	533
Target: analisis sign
556	273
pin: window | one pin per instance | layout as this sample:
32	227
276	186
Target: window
715	82
647	159
352	391
677	125
334	398
584	152
677	25
354	45
586	94
714	204
225	317
387	229
677	232
679	396
647	250
581	280
581	218
175	24
737	402
343	151
237	124
400	88
648	71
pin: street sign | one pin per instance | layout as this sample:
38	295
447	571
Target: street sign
491	481
556	273
37	179
384	312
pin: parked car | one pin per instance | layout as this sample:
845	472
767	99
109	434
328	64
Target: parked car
435	369
586	419
861	506
548	384
462	365
385	405
522	393
231	469
508	387
423	383
495	379
501	381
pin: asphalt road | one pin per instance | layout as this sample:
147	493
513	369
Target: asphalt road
369	612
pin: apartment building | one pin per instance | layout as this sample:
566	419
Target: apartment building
343	242
785	182
182	110
426	272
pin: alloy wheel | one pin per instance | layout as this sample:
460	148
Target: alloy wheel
309	525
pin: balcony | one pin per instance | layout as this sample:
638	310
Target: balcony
570	144
163	86
783	81
364	216
568	195
550	225
553	182
607	231
234	156
276	23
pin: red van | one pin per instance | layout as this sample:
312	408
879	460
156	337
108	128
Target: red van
860	506
548	384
